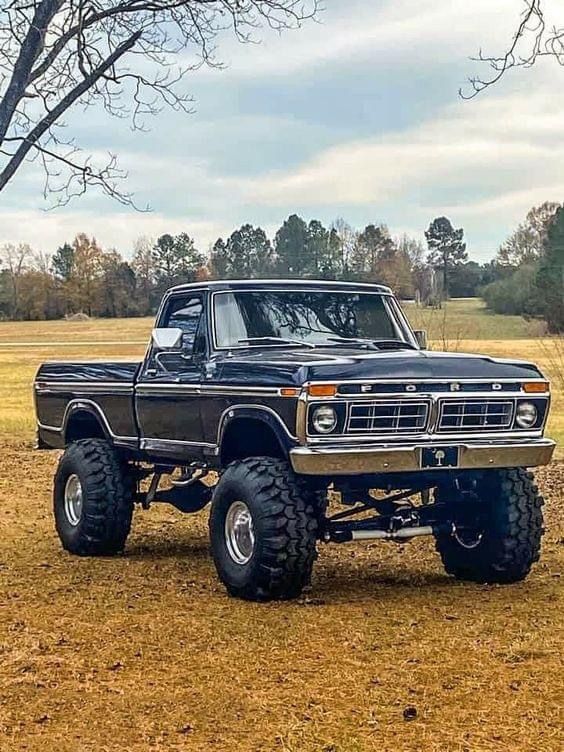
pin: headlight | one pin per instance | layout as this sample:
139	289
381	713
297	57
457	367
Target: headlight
526	415
324	419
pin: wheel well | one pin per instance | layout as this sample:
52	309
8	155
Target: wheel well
83	424
249	437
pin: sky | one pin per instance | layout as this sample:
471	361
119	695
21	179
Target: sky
355	116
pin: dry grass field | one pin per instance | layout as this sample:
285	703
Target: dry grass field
146	652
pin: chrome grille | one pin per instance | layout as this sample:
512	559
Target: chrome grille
388	417
468	415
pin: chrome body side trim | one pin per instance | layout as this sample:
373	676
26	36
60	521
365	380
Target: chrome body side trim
359	460
152	443
158	389
44	387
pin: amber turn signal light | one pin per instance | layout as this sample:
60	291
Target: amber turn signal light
289	391
536	387
322	390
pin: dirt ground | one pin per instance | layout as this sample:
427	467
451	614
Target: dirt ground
146	651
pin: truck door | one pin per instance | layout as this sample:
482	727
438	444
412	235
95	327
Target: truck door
167	391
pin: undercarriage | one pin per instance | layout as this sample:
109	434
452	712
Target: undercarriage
394	514
399	517
266	521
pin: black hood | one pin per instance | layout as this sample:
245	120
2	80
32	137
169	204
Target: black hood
295	366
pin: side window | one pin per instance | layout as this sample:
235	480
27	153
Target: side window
186	313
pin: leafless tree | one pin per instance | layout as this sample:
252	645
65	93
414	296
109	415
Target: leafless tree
533	39
14	260
129	56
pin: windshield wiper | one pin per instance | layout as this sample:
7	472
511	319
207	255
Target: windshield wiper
373	344
395	343
352	341
276	341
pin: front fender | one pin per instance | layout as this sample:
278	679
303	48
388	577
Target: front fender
265	415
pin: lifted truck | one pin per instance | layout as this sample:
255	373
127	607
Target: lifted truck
295	393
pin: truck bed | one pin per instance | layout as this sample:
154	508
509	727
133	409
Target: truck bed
65	387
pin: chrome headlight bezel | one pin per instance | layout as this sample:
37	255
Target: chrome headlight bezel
526	415
325	413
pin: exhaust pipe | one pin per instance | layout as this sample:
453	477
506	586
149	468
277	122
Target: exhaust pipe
402	533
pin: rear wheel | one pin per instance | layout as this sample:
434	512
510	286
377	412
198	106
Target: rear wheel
93	499
262	530
503	541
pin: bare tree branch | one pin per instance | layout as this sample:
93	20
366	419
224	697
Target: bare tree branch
30	49
43	125
131	57
532	40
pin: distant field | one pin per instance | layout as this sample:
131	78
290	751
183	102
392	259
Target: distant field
468	318
463	325
92	330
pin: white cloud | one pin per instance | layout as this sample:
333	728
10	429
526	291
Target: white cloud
507	151
46	231
354	31
483	162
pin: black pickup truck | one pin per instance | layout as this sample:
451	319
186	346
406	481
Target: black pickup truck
276	400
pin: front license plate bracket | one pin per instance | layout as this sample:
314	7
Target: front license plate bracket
439	456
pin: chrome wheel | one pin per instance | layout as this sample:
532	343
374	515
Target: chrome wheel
73	500
239	532
468	539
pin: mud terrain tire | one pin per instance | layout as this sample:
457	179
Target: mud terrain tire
99	523
512	526
279	560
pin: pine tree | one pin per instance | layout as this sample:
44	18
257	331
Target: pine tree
219	262
62	262
446	248
373	251
248	253
176	260
290	245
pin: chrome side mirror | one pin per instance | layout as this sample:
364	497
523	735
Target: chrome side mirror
167	339
421	337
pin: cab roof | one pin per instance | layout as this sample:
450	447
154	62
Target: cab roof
250	284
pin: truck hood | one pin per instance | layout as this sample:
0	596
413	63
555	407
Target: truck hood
296	366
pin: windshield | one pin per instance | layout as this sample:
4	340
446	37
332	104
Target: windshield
286	317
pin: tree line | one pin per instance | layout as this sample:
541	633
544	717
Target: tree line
82	277
530	268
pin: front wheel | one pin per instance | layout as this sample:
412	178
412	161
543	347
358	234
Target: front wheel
92	499
506	538
262	530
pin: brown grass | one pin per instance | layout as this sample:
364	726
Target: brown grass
146	652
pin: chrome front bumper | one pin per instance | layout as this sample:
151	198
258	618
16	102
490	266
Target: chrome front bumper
401	458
